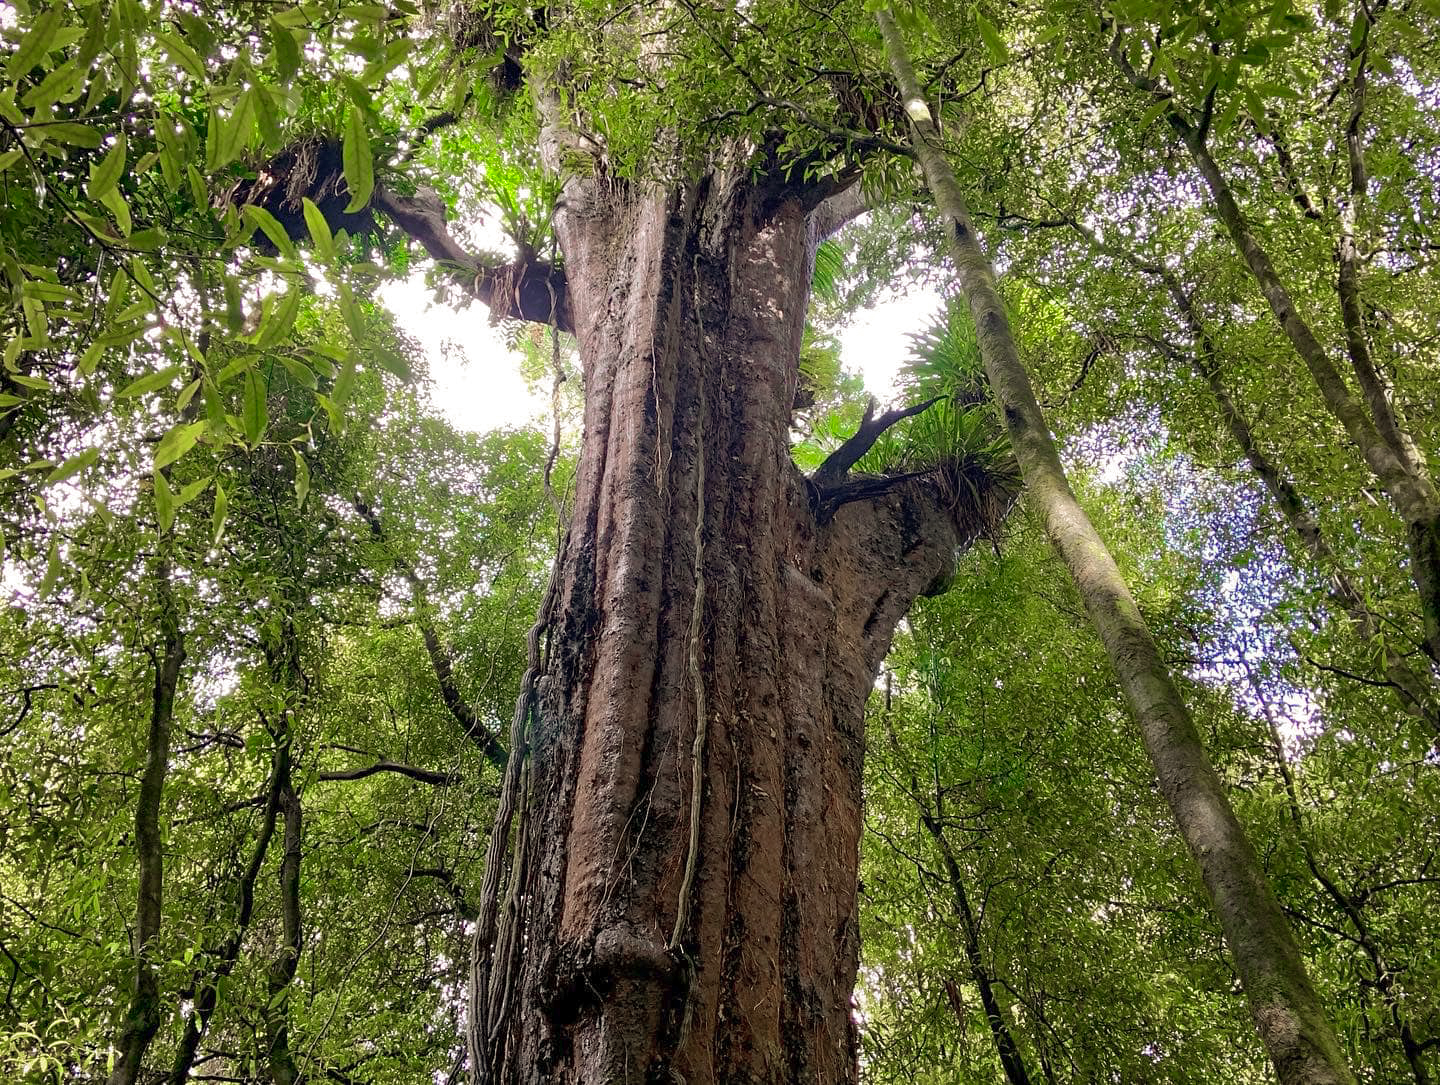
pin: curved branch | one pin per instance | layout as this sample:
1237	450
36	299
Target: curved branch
414	772
524	289
440	659
838	464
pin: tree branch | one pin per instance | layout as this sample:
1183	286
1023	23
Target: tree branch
414	772
837	465
524	289
441	661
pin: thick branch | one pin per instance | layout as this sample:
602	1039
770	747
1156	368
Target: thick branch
524	289
837	211
837	465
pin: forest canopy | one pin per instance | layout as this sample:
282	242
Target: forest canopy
1068	713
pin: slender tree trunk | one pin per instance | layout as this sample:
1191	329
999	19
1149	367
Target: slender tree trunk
1414	691
1287	1012
283	656
279	1058
142	1019
1382	977
681	900
1012	1061
1387	450
217	964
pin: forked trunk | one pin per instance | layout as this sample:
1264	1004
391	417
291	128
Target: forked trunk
689	305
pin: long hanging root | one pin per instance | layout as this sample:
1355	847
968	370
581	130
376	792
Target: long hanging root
495	939
697	750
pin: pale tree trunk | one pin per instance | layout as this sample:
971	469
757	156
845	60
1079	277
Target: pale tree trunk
1287	1013
643	938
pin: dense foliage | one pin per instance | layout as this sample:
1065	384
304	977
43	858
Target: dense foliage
265	613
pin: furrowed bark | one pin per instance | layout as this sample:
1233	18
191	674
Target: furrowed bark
142	1019
643	936
1409	485
1301	1043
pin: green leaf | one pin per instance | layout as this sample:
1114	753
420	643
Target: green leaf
344	383
217	518
105	176
164	504
302	477
52	569
256	416
990	35
1256	108
270	226
356	158
180	440
198	192
90	359
319	229
72	467
302	373
36	43
119	208
150	382
236	130
234	303
193	490
286	50
182	55
76	135
279	318
56	86
187	394
354	318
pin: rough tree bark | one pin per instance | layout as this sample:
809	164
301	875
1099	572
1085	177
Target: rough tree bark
689	303
1287	1014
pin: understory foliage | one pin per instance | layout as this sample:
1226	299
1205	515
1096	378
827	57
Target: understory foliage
264	609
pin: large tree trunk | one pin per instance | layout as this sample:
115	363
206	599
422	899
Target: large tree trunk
689	304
